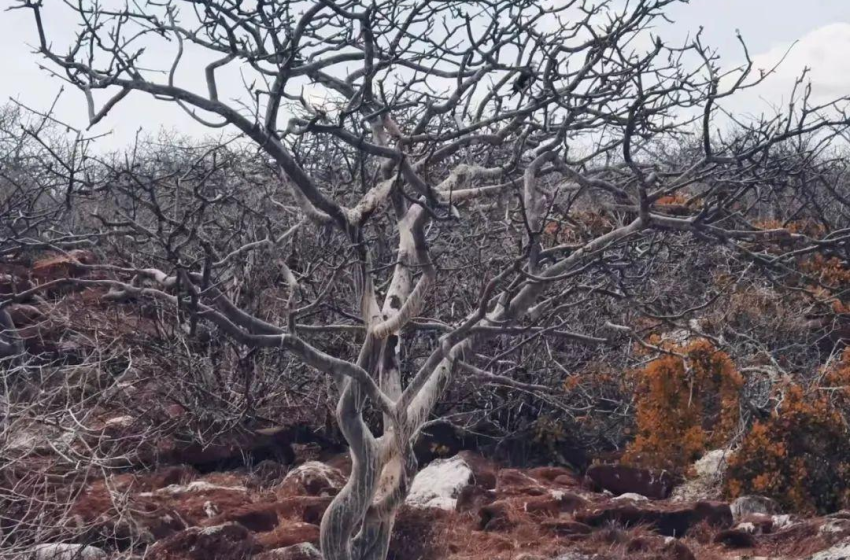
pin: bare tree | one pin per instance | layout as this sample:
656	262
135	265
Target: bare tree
446	127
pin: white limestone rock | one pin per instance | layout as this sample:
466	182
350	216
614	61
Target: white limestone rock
439	484
57	551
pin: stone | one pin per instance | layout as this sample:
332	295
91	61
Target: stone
781	521
631	497
834	526
313	478
196	487
837	552
708	474
440	484
65	552
748	505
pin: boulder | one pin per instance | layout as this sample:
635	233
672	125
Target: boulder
65	552
196	487
707	477
749	505
230	541
313	478
712	464
631	497
837	552
620	479
440	484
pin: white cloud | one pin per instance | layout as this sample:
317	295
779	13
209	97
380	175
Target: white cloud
823	51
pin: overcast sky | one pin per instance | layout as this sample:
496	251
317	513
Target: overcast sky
821	29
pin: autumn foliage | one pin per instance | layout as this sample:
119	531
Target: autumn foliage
684	406
688	403
798	455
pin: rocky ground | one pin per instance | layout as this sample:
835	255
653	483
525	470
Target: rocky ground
463	507
169	500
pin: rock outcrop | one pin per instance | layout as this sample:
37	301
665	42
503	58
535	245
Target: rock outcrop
440	484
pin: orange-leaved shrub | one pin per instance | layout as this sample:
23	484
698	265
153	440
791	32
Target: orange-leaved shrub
684	406
798	456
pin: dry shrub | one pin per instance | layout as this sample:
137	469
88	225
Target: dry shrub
795	456
684	406
579	225
829	271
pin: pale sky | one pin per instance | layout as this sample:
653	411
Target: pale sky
821	29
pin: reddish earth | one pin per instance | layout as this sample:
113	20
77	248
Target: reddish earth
176	513
179	503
